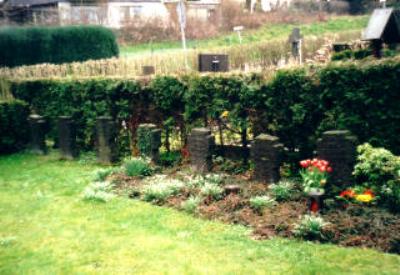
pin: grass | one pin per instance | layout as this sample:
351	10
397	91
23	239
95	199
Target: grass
46	228
266	33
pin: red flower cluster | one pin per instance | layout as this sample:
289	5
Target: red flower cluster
321	165
349	193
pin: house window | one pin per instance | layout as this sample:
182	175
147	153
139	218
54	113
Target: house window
136	11
124	13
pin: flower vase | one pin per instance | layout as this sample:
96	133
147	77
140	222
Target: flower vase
315	200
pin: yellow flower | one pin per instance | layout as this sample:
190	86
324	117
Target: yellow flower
322	182
364	198
225	114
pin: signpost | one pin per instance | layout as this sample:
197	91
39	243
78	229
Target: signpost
238	29
181	11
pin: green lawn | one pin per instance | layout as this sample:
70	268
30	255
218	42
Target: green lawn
47	229
265	33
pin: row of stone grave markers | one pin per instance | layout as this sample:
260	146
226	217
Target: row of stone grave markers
337	147
106	130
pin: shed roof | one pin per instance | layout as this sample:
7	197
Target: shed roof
384	24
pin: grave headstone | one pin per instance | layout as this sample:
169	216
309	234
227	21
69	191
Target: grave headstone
106	140
213	63
266	152
201	145
67	137
340	149
38	134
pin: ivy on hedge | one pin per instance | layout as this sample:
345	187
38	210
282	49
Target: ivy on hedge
296	105
14	129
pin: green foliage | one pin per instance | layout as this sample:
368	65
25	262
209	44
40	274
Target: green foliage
83	100
138	168
310	227
98	191
34	45
258	203
351	54
170	158
283	190
211	191
14	129
191	204
295	105
102	174
379	169
160	188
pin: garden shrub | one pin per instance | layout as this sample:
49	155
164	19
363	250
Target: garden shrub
211	191
258	203
310	227
159	188
14	128
283	190
379	169
98	191
34	45
138	168
191	204
170	158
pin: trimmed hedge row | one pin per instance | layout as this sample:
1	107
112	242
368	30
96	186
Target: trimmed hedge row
34	45
14	130
296	105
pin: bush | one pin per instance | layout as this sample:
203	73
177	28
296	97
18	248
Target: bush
98	191
310	227
138	168
260	202
211	191
191	204
379	169
14	128
159	188
295	105
170	158
102	174
283	190
34	45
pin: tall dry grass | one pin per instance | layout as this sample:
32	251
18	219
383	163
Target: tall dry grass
257	56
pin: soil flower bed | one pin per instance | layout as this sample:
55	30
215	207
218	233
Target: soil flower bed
238	200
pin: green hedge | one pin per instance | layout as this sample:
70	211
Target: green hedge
296	105
14	130
34	45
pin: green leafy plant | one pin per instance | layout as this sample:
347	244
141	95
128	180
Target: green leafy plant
310	227
98	191
159	188
283	190
212	191
258	203
379	169
191	204
138	168
170	158
102	174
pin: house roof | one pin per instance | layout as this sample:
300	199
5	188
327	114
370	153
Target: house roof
23	3
384	24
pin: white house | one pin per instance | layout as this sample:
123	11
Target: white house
111	13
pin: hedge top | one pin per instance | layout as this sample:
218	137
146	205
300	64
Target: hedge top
34	45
